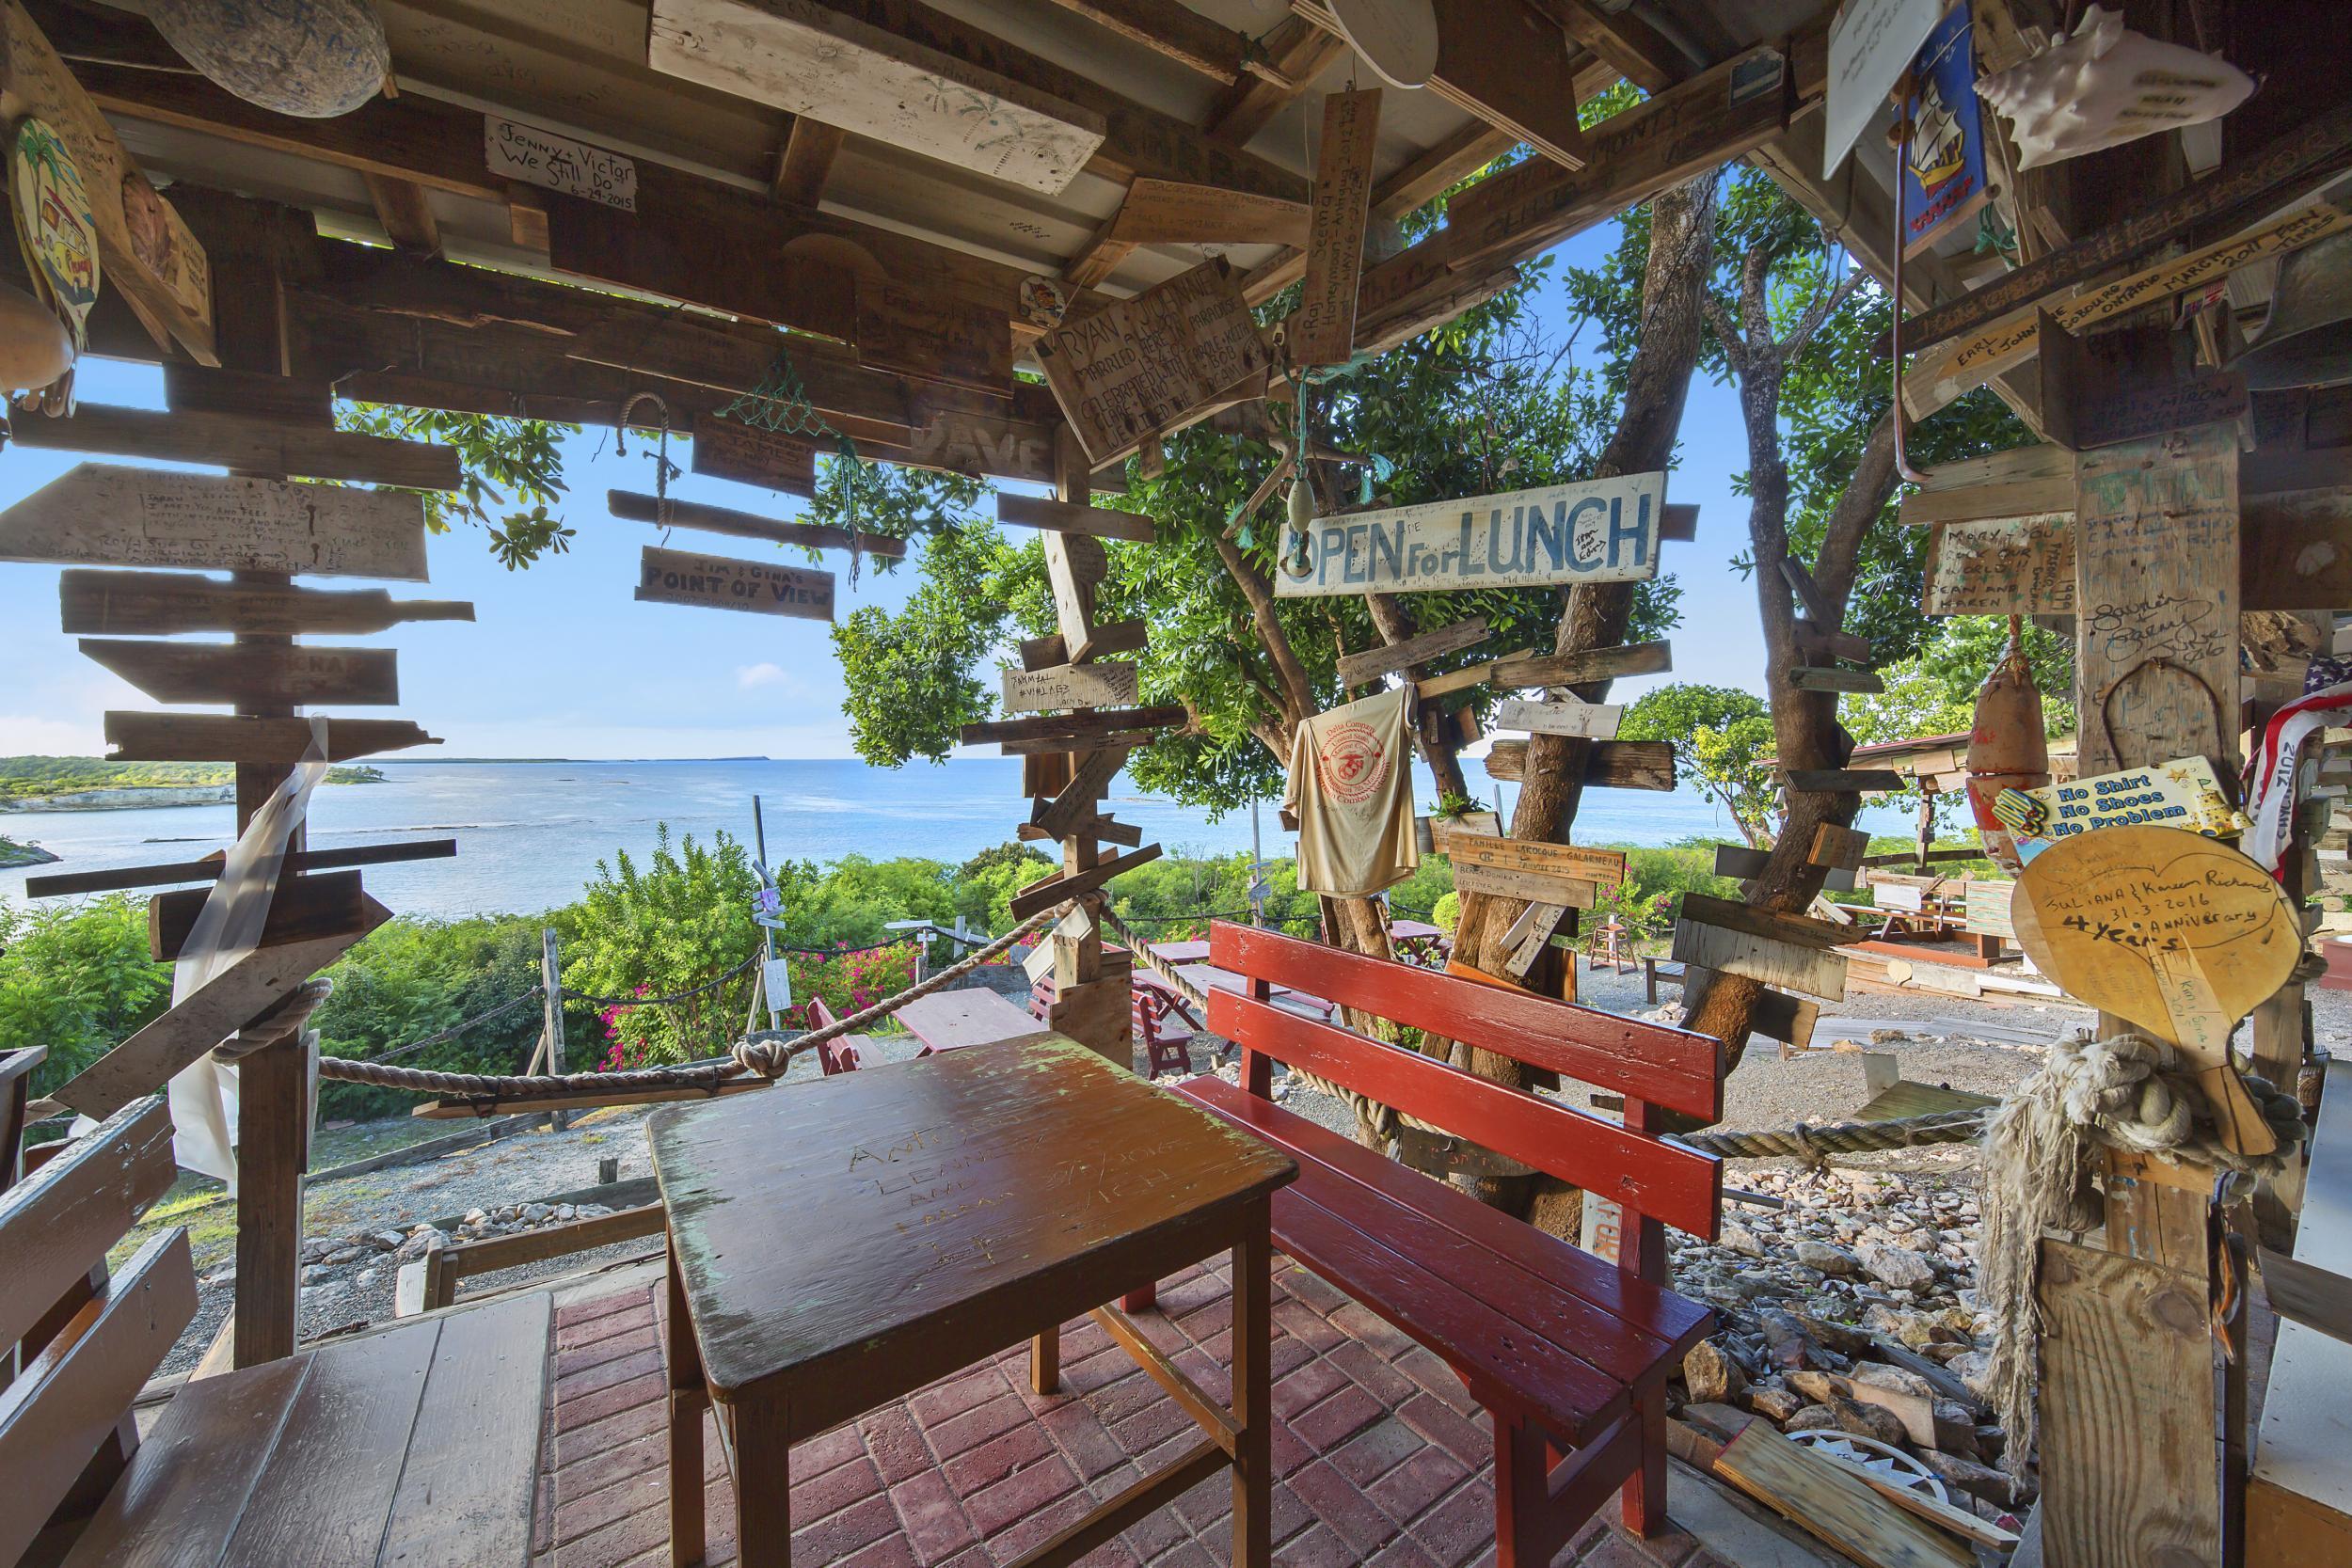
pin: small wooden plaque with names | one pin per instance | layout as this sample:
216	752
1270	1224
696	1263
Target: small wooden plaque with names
1100	685
1141	366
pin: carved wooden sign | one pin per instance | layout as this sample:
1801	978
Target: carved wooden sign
2003	566
1323	330
1606	867
722	582
553	163
1166	212
1602	531
2119	386
1592	721
101	515
1141	366
1104	685
726	449
816	60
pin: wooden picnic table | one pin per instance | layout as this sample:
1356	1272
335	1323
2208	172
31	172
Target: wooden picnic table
952	1019
838	1248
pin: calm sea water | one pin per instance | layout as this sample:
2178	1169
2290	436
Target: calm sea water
529	835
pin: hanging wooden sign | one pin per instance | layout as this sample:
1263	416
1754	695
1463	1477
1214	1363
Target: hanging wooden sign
1534	887
1166	212
2119	386
1053	516
2175	932
1606	867
2002	566
1139	366
145	250
1601	530
722	582
1323	328
234	737
1098	685
726	449
814	60
101	515
163	604
1592	721
553	163
252	675
2185	794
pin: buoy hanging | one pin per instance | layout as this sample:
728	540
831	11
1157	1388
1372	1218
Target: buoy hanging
2006	748
313	58
35	348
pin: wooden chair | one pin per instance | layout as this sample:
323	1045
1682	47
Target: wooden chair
1606	945
1167	1041
419	1444
1570	1353
835	1055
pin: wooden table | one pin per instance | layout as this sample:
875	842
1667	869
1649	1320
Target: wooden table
952	1019
838	1246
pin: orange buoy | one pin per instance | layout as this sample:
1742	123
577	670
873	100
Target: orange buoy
2006	748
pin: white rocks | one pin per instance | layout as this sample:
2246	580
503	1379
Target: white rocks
1974	1368
1827	1259
1712	1377
1896	1267
1740	1239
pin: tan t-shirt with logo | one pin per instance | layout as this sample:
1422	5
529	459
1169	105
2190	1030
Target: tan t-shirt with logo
1351	787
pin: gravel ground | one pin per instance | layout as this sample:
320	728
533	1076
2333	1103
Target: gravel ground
1764	1092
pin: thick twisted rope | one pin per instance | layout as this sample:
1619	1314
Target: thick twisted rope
767	1059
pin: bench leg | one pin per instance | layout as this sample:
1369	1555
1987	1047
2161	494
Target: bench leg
1523	1496
1645	1494
1045	1362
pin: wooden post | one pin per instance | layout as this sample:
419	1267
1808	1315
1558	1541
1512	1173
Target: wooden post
551	976
2127	1409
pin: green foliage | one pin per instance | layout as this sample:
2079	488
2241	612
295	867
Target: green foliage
33	778
15	854
1722	736
912	676
685	919
76	978
409	979
1446	913
511	471
1934	691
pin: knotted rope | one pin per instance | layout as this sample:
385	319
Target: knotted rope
1816	1143
2127	1093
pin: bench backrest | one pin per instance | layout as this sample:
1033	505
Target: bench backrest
85	1343
835	1055
1653	1067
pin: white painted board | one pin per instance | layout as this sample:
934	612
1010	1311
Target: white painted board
1601	530
554	163
1870	45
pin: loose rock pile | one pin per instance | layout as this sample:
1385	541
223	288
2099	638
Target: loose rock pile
1853	1308
331	1259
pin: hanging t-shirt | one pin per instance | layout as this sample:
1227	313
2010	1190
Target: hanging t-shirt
1351	787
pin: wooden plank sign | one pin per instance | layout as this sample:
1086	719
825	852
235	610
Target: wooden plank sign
143	247
2119	386
162	604
1816	972
101	515
553	163
2002	566
1613	763
1602	531
1164	211
722	582
1534	887
1361	669
726	449
814	60
233	738
1100	685
1592	721
252	675
1323	329
254	445
1606	867
1141	366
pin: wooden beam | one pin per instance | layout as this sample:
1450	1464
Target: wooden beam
403	207
300	862
1505	62
244	445
1053	516
1164	211
1360	669
1174	31
1077	727
1531	669
301	908
1440	169
1112	637
631	507
1631	46
1299	50
806	161
250	675
1056	889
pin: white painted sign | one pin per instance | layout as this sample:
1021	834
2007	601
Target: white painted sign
555	162
1592	721
1870	45
1602	531
1070	686
776	975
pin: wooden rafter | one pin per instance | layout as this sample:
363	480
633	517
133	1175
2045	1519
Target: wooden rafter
405	213
1182	34
1503	61
1299	50
809	148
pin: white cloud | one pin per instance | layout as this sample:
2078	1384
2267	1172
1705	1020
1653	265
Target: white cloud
752	676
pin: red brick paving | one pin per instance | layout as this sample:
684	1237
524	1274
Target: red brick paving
1381	1456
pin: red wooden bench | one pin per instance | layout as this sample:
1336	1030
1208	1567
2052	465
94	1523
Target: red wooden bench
1568	1352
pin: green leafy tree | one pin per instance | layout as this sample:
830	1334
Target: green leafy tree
681	922
76	978
1723	741
510	472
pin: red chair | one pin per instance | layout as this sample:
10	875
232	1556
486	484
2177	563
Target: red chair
1166	1043
835	1055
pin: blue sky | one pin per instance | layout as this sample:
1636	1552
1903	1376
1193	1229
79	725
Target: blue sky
562	661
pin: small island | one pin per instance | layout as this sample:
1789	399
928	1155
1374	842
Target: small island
39	783
13	854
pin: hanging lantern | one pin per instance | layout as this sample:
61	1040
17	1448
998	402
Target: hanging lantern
1302	519
2006	748
313	58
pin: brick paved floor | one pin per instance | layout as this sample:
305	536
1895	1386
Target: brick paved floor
1381	1457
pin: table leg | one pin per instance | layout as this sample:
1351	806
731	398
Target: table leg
1253	1405
763	1483
1045	1362
686	1401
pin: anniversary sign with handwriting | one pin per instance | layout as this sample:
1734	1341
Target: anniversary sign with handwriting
1602	531
1140	365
